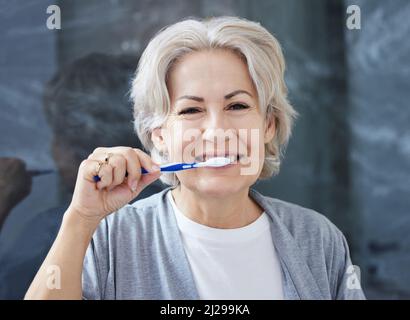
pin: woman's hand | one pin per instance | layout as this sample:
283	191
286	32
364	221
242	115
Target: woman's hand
92	200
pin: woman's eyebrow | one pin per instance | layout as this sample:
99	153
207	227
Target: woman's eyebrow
234	93
227	97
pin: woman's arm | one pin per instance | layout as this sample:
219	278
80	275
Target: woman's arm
59	277
119	180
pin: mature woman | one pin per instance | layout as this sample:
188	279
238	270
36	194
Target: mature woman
203	89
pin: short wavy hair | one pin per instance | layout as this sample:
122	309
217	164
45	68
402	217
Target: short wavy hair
259	49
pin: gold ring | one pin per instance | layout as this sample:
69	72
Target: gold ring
100	163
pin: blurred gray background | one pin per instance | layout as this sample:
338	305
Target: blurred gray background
350	151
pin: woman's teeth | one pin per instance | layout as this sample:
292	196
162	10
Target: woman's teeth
232	158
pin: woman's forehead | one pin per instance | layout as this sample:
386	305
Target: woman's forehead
209	72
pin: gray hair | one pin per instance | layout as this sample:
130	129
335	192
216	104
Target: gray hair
252	42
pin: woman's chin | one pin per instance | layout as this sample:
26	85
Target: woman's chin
216	183
218	186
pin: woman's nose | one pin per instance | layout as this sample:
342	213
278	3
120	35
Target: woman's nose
216	118
210	134
216	126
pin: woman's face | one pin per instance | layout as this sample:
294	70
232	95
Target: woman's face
215	112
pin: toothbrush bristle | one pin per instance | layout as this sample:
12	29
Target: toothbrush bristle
218	162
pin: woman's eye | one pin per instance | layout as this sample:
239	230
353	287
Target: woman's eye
238	106
188	111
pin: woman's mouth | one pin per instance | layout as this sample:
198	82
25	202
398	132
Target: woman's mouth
236	157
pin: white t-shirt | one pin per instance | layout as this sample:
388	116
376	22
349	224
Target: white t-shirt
233	264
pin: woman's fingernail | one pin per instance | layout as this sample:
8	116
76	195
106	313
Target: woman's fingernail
134	186
155	168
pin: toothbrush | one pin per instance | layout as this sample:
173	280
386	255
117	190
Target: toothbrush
178	166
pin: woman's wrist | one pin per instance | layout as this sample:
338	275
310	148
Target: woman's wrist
75	220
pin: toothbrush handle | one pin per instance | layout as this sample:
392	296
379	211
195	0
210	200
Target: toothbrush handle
172	167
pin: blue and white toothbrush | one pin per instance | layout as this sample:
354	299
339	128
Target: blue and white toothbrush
178	166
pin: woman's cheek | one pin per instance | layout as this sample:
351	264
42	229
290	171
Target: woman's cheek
253	164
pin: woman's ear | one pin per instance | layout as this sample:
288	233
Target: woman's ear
158	140
270	129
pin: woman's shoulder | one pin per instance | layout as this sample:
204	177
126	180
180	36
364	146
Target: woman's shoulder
312	238
304	224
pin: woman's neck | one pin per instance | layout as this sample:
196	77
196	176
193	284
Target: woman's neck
228	212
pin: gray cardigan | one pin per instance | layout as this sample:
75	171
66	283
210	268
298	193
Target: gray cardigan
137	253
